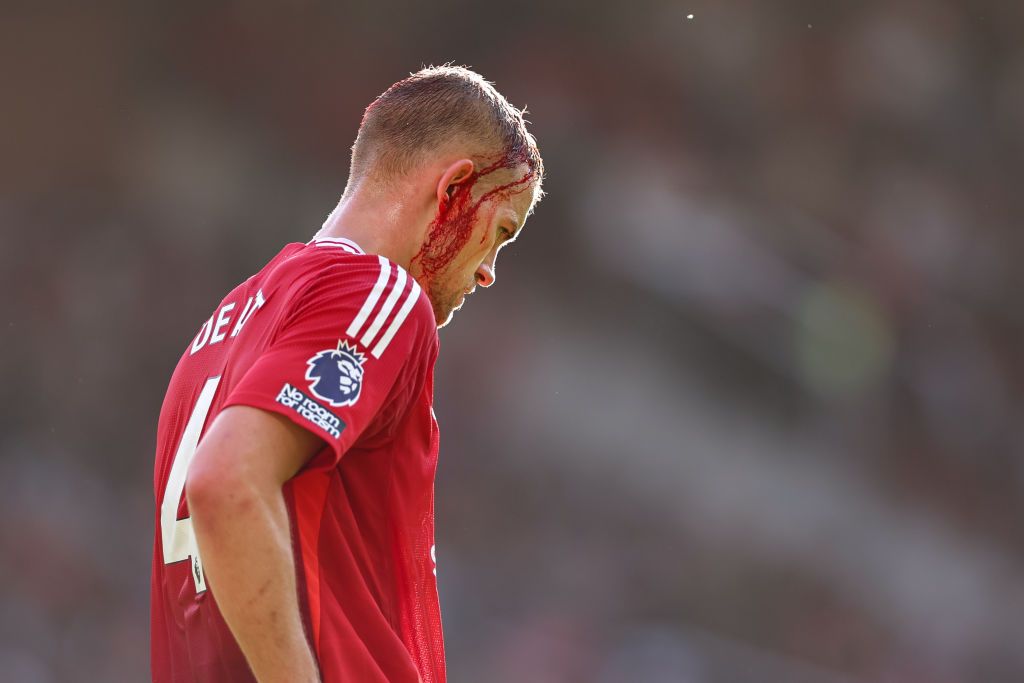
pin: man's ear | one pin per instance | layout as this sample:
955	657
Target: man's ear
456	173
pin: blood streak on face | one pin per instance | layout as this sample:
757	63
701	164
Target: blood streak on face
452	227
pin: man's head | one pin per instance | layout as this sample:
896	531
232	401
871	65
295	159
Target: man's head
455	142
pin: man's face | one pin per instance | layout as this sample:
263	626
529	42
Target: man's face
464	240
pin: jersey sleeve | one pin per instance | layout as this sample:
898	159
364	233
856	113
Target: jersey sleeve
346	356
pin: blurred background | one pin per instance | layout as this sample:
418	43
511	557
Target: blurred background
746	402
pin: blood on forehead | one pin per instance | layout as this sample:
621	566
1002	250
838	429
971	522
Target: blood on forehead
452	227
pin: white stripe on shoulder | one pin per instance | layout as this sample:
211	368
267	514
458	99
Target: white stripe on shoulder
371	300
389	305
403	313
346	244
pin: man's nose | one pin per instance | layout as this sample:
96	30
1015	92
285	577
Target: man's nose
485	275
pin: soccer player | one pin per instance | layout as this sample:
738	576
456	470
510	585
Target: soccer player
297	444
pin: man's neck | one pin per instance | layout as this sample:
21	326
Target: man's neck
379	224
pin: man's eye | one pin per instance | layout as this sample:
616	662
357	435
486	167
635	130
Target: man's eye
506	234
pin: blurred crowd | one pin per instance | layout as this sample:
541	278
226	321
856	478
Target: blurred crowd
744	406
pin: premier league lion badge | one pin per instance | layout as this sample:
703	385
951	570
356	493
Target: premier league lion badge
336	375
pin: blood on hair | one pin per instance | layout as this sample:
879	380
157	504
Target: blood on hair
451	229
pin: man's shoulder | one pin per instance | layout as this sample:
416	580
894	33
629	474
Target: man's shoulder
376	297
318	270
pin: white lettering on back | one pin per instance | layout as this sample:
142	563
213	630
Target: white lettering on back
203	336
222	322
249	310
214	333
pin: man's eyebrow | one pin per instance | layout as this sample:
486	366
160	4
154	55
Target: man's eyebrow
517	225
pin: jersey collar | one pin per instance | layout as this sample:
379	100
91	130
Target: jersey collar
340	242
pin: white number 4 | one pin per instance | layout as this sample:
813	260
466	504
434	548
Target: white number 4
178	538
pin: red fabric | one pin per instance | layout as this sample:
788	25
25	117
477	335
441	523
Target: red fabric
362	510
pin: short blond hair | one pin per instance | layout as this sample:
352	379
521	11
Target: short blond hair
432	108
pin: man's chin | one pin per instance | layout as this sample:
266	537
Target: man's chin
445	314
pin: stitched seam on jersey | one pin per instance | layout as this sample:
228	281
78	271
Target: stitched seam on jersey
317	627
394	616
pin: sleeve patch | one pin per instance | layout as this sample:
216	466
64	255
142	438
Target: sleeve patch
336	375
310	410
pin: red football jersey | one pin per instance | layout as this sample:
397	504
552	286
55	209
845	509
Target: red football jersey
343	344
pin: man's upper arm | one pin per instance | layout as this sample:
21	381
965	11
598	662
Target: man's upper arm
253	445
342	352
